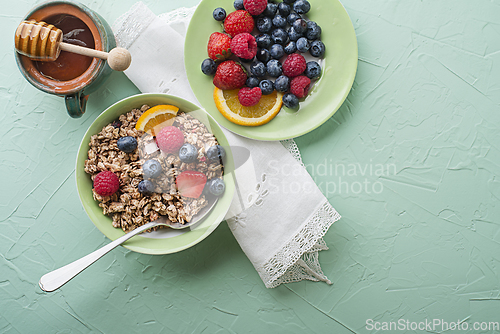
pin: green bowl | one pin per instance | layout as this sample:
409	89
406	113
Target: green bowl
165	241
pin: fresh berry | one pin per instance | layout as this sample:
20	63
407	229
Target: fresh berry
146	187
293	34
263	55
279	21
170	139
274	68
216	153
216	186
230	75
276	51
238	22
116	124
252	82
317	48
313	30
303	45
188	153
290	101
279	36
270	10
249	96
284	9
244	45
238	4
255	7
190	183
208	66
300	26
219	46
127	144
292	17
301	6
291	47
151	169
266	86
264	24
300	86
106	183
313	70
258	69
219	14
282	83
294	65
263	41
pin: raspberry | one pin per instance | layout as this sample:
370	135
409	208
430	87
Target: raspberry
244	46
230	75
255	7
170	139
294	65
300	86
238	22
249	96
106	183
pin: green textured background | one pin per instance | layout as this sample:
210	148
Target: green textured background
424	106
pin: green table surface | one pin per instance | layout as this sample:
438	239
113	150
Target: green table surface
411	161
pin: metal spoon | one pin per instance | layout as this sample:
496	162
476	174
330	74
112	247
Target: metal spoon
57	278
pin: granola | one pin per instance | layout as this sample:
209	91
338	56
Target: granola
129	208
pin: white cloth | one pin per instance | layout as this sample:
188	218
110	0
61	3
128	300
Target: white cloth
278	215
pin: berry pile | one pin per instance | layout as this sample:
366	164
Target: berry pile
272	38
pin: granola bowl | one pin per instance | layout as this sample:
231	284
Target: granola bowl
161	241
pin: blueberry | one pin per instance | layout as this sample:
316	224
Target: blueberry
313	70
243	60
216	186
271	9
279	36
289	1
146	187
258	69
263	41
301	6
293	34
238	4
219	14
263	55
317	48
252	82
127	144
276	51
264	24
290	48
313	30
300	26
151	169
216	153
274	68
188	153
279	21
290	101
303	44
282	84
284	9
208	66
266	86
292	17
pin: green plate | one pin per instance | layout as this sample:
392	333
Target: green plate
326	96
165	241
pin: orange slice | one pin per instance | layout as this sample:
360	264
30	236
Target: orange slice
228	104
156	118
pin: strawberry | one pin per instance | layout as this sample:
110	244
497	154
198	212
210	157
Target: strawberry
191	183
219	46
238	22
230	75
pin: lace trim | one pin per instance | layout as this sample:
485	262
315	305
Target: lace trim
298	259
130	25
292	147
179	14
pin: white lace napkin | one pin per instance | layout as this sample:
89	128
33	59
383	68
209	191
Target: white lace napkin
278	215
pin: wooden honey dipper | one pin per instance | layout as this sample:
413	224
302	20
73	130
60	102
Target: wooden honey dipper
42	41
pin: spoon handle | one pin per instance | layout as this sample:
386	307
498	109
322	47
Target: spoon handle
57	278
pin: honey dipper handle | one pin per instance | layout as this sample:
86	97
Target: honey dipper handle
118	58
83	51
